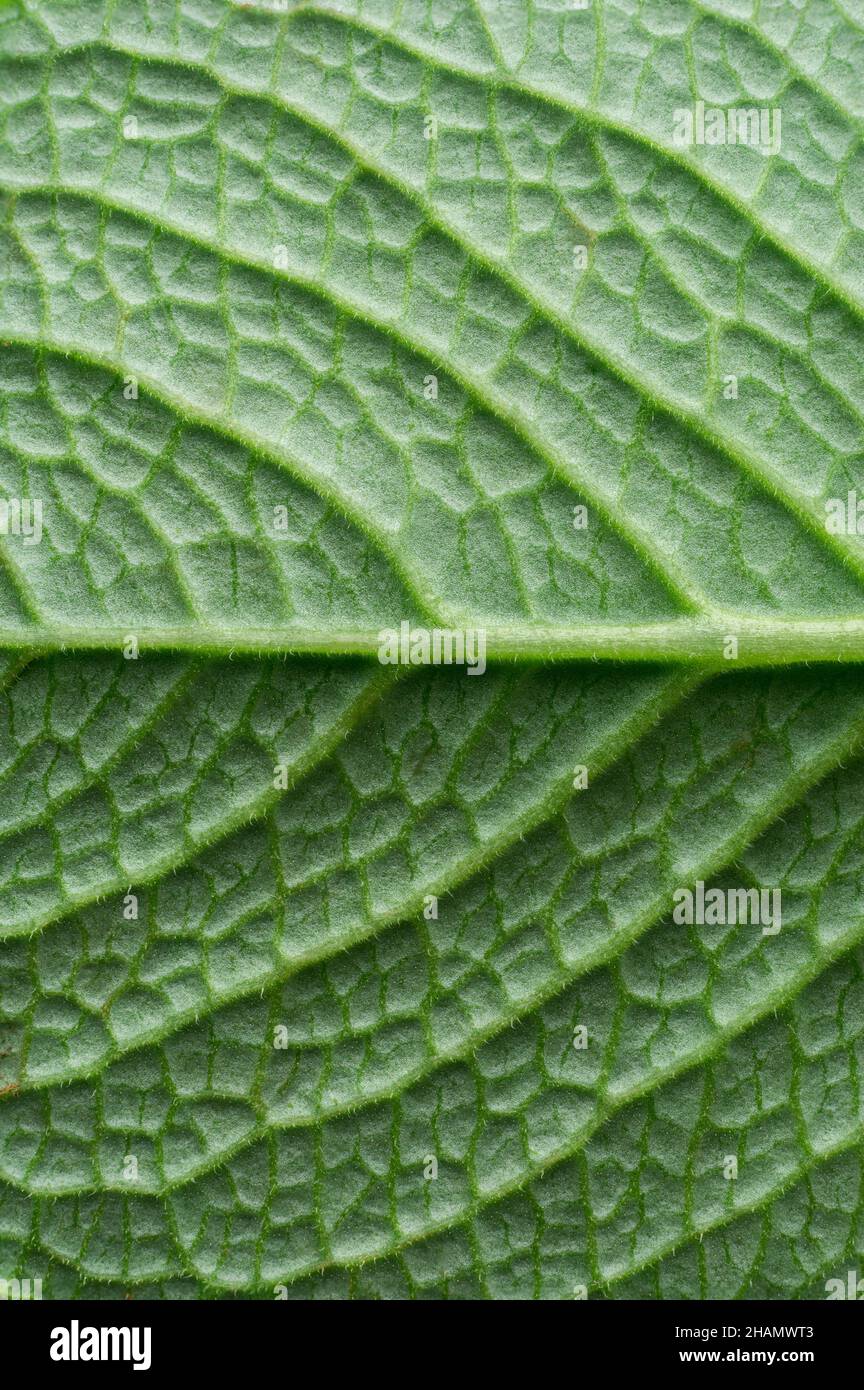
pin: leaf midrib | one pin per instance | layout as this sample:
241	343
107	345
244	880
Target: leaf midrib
698	643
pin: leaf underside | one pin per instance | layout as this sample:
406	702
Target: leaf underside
318	265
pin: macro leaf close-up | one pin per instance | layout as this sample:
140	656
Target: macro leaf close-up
431	626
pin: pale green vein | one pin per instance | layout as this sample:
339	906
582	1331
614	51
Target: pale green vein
477	388
729	20
220	424
175	692
254	809
678	407
588	116
848	743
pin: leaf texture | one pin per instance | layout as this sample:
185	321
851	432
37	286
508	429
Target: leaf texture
296	347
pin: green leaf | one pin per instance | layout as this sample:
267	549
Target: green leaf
322	976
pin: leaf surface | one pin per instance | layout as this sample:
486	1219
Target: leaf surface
298	345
